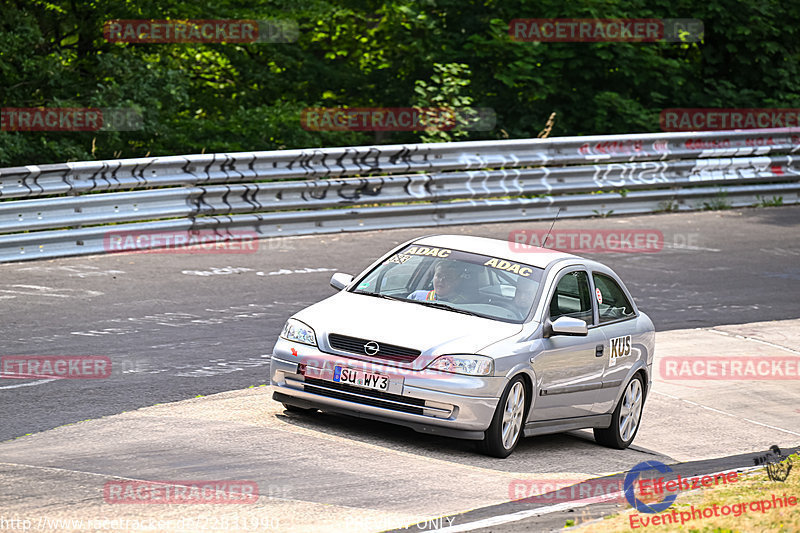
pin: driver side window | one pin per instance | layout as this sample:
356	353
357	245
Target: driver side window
572	298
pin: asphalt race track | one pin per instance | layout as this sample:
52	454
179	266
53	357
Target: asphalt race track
178	326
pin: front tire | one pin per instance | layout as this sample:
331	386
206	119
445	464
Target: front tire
506	428
626	418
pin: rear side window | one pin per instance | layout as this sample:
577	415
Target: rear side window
611	300
572	298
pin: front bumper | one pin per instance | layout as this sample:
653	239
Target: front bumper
428	401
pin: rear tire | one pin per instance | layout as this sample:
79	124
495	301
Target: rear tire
626	418
506	428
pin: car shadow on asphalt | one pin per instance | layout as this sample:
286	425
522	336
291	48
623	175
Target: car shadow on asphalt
574	451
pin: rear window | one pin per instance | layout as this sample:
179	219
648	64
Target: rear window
611	300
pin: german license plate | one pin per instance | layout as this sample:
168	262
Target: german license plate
359	378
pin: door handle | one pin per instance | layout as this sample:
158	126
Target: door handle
598	350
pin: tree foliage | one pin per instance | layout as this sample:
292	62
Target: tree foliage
224	97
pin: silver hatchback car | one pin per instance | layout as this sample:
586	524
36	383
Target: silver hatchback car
473	338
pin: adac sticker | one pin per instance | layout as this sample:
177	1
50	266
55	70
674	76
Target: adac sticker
599	296
423	250
508	266
620	347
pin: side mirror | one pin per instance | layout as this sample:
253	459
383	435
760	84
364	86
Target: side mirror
341	280
569	326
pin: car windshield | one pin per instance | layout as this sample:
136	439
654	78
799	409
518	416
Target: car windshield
456	281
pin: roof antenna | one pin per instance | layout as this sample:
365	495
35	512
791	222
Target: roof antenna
551	227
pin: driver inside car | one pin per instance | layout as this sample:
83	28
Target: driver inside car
448	284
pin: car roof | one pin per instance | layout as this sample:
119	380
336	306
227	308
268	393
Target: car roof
517	252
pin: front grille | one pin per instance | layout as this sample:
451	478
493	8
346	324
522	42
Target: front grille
342	391
389	352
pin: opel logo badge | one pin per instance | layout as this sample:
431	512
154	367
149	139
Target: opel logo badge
371	348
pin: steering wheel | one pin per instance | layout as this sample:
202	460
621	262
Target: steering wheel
508	306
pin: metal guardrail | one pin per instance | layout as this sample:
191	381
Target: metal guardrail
67	209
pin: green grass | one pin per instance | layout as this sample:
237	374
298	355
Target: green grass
719	202
774	202
667	206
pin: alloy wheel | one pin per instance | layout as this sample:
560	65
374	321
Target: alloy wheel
631	410
512	414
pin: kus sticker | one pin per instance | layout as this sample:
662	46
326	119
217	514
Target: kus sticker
620	347
435	252
508	266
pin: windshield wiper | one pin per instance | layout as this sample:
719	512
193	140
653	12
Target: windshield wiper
427	303
385	296
441	305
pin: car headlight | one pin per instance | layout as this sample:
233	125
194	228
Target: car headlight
471	365
296	331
